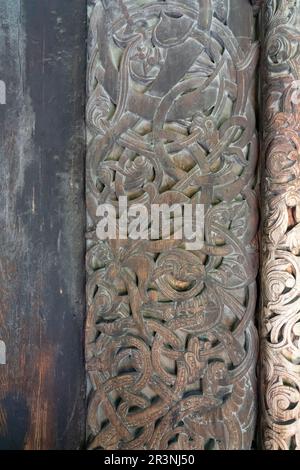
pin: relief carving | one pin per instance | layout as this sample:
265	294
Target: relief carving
171	345
280	313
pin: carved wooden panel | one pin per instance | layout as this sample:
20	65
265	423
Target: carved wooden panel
171	344
280	314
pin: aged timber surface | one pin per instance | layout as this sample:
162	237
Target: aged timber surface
42	62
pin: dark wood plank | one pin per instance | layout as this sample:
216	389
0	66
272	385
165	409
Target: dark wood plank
42	61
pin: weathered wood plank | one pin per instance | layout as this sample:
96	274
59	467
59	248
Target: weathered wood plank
42	61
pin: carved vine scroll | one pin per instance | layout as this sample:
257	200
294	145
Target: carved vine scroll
280	325
171	344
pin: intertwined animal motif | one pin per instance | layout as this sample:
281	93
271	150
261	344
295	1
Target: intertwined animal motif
170	338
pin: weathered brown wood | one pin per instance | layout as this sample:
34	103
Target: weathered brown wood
280	309
170	341
42	62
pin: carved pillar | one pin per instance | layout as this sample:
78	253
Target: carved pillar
280	313
170	339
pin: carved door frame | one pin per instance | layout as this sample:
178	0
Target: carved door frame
187	102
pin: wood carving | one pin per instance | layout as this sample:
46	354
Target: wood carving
171	344
280	315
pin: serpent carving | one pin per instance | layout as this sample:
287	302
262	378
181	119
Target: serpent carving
171	344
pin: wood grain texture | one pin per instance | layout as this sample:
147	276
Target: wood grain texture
280	312
42	61
171	344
